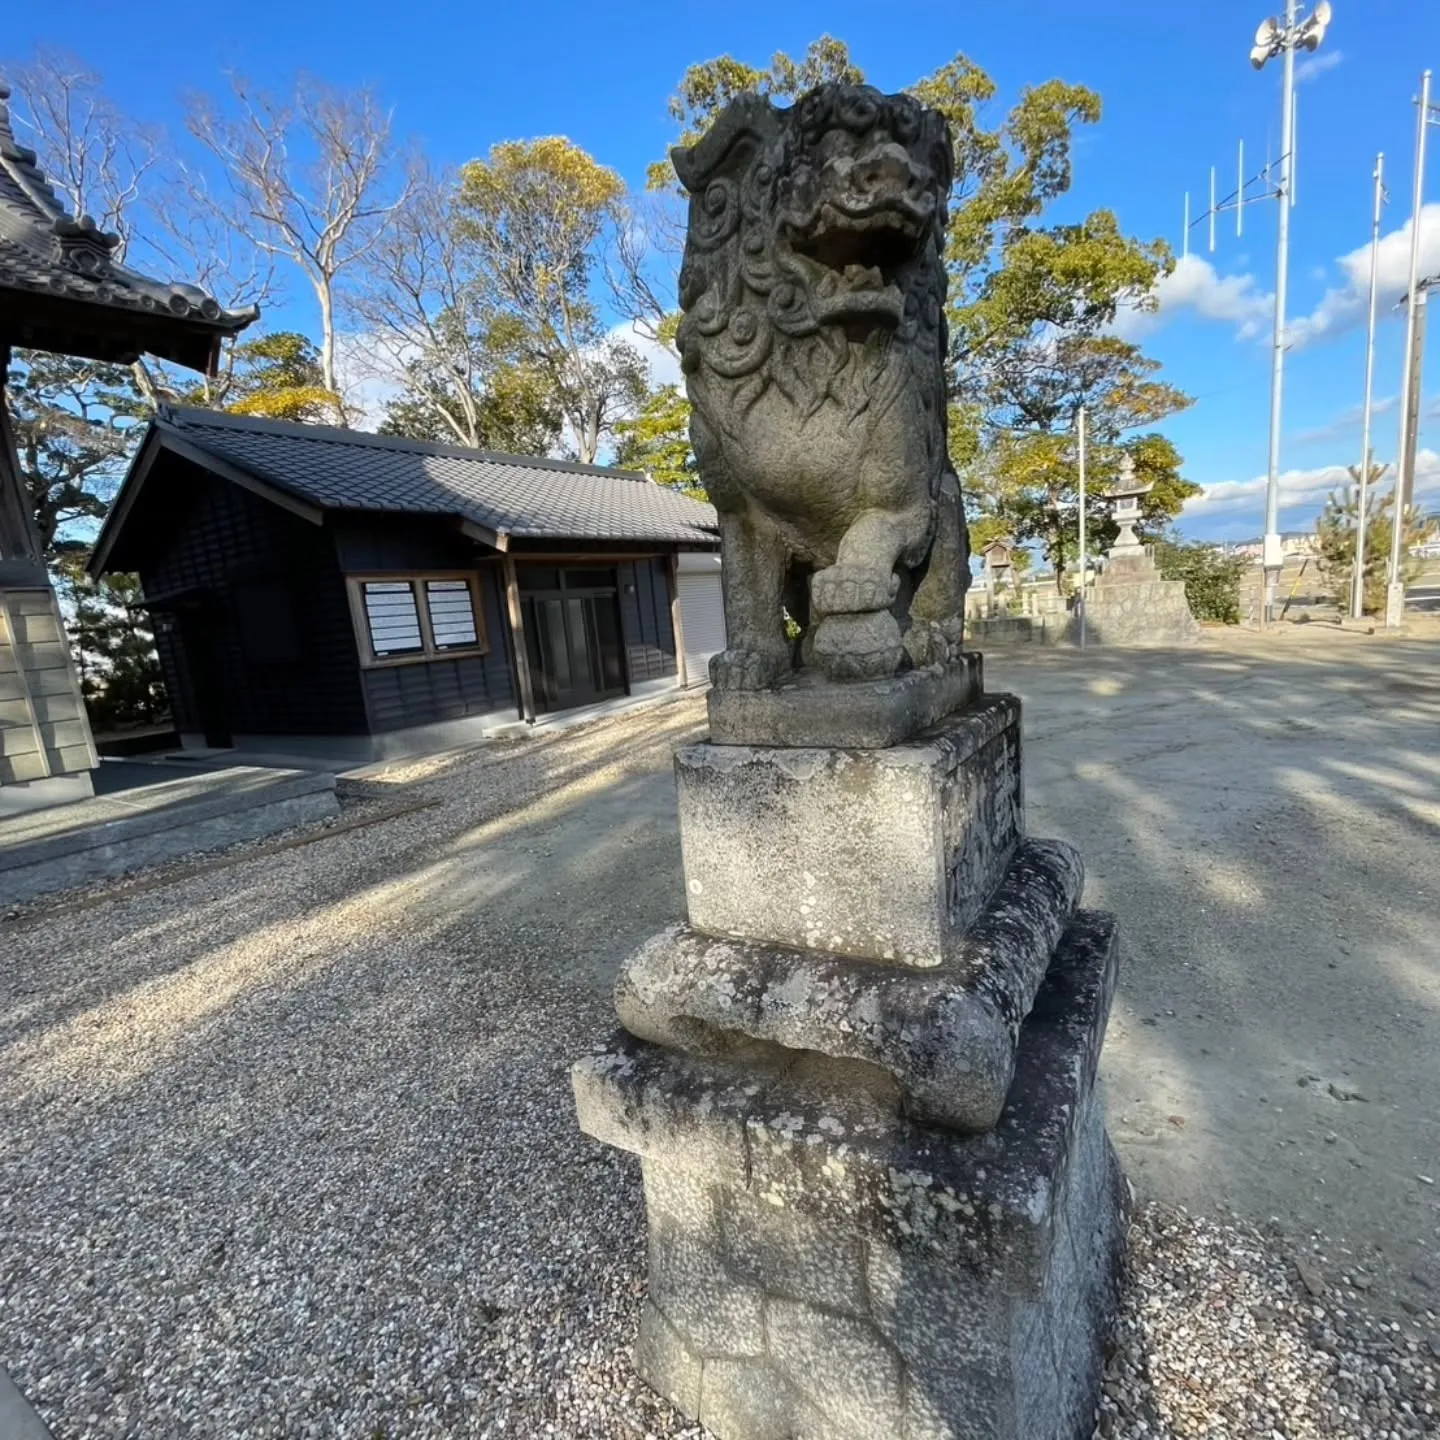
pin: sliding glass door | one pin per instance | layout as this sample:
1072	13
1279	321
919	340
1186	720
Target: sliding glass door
572	635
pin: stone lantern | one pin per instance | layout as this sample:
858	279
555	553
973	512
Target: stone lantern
1132	603
1125	496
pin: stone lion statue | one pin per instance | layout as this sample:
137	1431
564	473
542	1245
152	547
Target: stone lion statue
813	344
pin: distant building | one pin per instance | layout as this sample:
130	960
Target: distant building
1292	542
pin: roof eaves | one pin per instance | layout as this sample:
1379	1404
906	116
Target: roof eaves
333	434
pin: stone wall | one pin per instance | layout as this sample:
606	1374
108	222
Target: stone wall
1130	604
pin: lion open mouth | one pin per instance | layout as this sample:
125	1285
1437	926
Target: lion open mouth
857	257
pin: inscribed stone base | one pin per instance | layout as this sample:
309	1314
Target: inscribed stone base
886	854
805	709
822	1267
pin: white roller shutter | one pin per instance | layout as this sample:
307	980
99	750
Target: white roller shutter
702	616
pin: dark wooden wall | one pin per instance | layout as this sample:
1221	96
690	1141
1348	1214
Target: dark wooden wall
279	617
645	619
282	622
424	692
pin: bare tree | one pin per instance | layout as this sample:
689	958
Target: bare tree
425	319
105	165
95	157
317	180
642	263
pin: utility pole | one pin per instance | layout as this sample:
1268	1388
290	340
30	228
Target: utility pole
1080	422
1272	557
1410	380
1282	38
1357	586
1417	368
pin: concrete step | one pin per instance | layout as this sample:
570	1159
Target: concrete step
17	1420
148	824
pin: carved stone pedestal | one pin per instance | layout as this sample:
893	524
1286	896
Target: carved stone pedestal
861	1079
823	1267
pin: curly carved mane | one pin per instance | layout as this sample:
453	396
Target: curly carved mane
753	301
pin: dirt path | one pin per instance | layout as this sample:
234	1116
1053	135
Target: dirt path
1264	815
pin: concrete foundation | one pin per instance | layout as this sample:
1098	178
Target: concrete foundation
110	835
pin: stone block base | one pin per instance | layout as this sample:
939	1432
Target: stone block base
947	1034
807	710
822	1267
1132	605
884	854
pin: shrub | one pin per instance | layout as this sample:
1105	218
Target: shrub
1212	580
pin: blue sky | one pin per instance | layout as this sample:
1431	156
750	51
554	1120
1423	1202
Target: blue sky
1178	92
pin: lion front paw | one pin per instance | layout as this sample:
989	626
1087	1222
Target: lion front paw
746	669
852	590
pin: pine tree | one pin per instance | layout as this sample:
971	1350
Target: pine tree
1337	528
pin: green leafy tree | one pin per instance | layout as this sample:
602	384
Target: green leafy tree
657	441
1212	579
707	88
537	219
516	413
1028	474
278	375
1337	527
113	646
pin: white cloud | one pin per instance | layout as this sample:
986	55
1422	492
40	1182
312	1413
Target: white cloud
1299	489
1195	286
1312	67
1344	305
370	377
1347	421
664	366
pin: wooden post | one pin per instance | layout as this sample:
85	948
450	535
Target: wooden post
676	624
19	540
517	640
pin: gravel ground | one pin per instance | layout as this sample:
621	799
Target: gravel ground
287	1148
1223	1334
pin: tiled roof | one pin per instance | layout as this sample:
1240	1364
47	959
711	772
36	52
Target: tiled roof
513	495
62	289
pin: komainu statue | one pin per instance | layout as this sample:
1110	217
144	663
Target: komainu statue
814	345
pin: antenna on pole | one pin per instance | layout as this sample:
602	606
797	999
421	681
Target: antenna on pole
1240	192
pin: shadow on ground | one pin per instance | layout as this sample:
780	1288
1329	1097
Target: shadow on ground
305	1117
1264	818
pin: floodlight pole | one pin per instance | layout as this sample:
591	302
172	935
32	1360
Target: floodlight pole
1395	589
1357	583
1272	557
